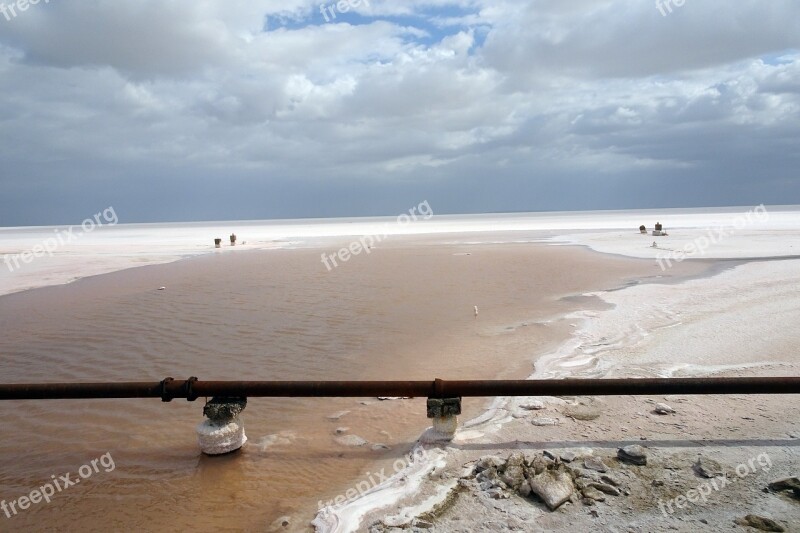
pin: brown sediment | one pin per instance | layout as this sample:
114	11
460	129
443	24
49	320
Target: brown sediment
403	311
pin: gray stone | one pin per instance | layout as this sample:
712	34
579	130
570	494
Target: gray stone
515	459
789	483
761	523
664	409
488	461
583	412
540	463
337	416
497	494
607	489
568	456
593	494
708	468
610	480
533	405
485	485
541	421
633	454
524	489
513	476
554	487
341	431
595	463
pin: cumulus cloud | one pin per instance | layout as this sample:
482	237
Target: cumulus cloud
263	109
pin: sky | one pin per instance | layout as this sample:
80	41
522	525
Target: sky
178	110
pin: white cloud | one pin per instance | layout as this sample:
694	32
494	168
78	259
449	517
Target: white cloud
563	86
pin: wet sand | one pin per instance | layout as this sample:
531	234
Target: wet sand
405	311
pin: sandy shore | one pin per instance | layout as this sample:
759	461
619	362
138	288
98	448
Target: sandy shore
741	321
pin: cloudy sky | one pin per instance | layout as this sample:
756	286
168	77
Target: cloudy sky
174	110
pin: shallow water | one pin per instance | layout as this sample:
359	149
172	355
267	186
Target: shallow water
404	312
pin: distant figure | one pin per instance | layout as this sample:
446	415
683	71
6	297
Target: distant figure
655	245
643	229
233	239
657	232
476	310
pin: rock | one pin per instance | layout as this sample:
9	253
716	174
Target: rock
533	405
350	440
515	459
550	455
568	456
341	431
497	494
593	494
760	522
789	483
663	409
595	463
610	480
554	487
541	421
587	501
582	413
513	476
524	489
708	468
380	446
489	479
423	524
485	485
488	461
607	489
540	463
633	454
337	416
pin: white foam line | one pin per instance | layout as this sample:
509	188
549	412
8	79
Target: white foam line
407	514
347	516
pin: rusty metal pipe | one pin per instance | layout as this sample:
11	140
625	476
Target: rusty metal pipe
192	388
